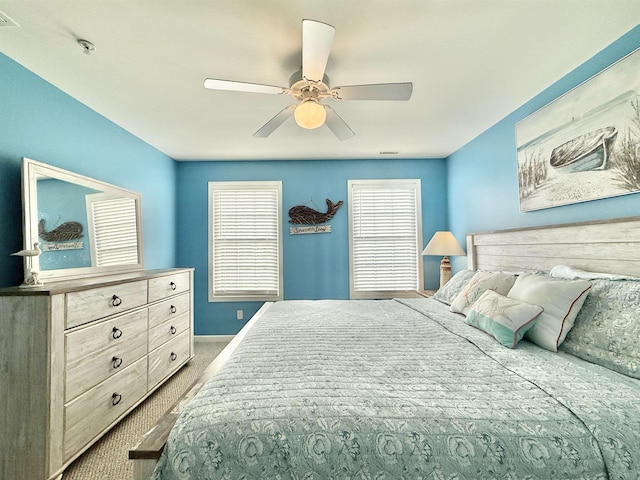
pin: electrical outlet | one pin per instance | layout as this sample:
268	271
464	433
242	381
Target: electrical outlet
239	315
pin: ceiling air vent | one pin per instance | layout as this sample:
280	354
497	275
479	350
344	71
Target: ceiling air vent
6	21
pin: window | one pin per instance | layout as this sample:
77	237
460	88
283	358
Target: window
385	236
245	245
113	228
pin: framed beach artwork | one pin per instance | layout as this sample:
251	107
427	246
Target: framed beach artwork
584	145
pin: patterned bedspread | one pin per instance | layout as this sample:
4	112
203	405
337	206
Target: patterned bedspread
393	389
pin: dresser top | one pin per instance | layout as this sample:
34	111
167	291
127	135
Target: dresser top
54	288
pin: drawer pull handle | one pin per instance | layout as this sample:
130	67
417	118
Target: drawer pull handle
172	330
173	309
173	286
116	333
116	361
173	356
115	399
116	301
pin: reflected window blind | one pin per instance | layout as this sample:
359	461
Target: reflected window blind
245	241
114	230
385	240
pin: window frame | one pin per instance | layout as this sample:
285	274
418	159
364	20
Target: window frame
416	186
244	186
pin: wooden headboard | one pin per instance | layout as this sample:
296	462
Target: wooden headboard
611	246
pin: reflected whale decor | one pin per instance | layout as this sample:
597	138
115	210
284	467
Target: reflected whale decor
303	215
66	231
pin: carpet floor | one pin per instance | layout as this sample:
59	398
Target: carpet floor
108	458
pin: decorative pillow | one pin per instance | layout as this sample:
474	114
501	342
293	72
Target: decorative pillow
506	319
564	271
607	329
451	289
480	283
561	300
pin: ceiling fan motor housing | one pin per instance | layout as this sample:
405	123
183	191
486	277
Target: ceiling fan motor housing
303	89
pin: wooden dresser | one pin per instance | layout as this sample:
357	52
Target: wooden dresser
77	356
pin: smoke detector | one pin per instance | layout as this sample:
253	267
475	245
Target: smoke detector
87	46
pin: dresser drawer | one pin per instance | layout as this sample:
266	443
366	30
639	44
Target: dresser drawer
167	285
90	413
166	331
84	342
167	309
168	357
87	305
100	365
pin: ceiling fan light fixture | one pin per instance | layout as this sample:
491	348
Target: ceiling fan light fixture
310	85
310	114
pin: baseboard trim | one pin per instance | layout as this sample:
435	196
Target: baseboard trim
213	338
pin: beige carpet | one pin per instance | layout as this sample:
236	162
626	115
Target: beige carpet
108	458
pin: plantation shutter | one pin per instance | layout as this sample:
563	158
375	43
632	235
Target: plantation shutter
245	251
113	227
385	234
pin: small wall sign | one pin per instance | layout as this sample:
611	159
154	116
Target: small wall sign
52	247
313	229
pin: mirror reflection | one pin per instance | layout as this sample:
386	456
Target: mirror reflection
62	224
83	226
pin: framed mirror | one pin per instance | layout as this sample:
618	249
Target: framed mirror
83	227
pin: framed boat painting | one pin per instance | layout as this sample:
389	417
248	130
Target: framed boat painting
584	145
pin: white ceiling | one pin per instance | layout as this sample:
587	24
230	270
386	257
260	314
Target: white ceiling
471	62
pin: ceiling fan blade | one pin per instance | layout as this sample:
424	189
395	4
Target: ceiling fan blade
376	91
216	84
268	128
338	126
317	38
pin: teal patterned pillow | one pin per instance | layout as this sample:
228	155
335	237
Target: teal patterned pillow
607	329
506	319
454	286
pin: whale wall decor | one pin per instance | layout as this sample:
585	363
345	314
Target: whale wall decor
66	231
303	215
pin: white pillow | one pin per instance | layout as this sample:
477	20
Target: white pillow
565	271
480	283
504	318
561	300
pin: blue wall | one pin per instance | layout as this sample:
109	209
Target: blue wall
482	176
474	189
39	121
315	265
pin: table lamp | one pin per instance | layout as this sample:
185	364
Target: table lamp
443	243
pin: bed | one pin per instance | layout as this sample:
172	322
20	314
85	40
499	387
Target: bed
452	387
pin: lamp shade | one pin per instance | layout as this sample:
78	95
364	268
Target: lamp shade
443	243
310	114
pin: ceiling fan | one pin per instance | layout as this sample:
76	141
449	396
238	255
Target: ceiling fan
310	85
